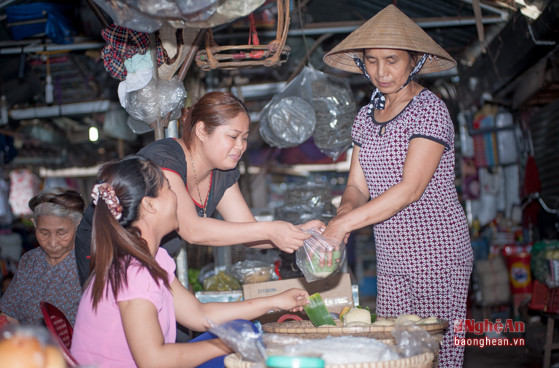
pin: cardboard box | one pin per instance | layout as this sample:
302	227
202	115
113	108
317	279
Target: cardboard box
335	290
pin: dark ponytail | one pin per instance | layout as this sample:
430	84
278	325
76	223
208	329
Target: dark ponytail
115	243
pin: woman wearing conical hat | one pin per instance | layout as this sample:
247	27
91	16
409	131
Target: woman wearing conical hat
401	178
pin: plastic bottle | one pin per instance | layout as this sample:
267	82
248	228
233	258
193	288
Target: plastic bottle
476	227
3	110
49	90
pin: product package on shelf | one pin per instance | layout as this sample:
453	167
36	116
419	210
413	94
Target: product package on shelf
492	280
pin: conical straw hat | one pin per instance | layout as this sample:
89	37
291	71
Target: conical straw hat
389	29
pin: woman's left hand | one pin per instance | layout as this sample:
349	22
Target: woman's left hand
292	300
335	231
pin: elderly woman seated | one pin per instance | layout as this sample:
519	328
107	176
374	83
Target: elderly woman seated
47	273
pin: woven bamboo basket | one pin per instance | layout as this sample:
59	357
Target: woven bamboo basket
419	361
305	329
273	54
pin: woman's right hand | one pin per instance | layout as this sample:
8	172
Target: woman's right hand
286	236
292	300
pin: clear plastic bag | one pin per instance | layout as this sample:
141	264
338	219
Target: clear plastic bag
222	281
335	109
241	336
412	340
216	13
319	257
289	118
127	16
252	271
341	350
305	202
153	102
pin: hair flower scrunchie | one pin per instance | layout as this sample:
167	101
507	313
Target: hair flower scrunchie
106	192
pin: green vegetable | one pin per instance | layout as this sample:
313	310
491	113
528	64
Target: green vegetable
193	274
317	312
315	267
222	282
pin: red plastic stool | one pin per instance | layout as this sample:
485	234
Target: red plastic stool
540	296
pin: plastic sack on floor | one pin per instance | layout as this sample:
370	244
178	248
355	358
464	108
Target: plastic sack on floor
289	118
127	16
153	102
243	337
319	257
412	340
335	109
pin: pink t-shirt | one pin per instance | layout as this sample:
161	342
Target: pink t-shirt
99	338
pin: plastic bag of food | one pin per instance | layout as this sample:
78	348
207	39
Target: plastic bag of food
252	271
319	257
221	282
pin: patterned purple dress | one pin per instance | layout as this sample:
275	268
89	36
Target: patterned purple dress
424	254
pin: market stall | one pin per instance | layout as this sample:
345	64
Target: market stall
142	66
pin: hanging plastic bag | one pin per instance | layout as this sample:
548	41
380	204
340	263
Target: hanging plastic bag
214	13
335	109
289	118
319	257
153	102
127	16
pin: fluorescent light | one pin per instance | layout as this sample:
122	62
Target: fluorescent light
93	134
66	109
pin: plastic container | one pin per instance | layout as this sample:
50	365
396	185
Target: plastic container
286	361
519	273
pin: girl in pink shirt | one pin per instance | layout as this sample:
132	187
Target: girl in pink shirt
127	316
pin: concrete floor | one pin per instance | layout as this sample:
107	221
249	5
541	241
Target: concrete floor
528	356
